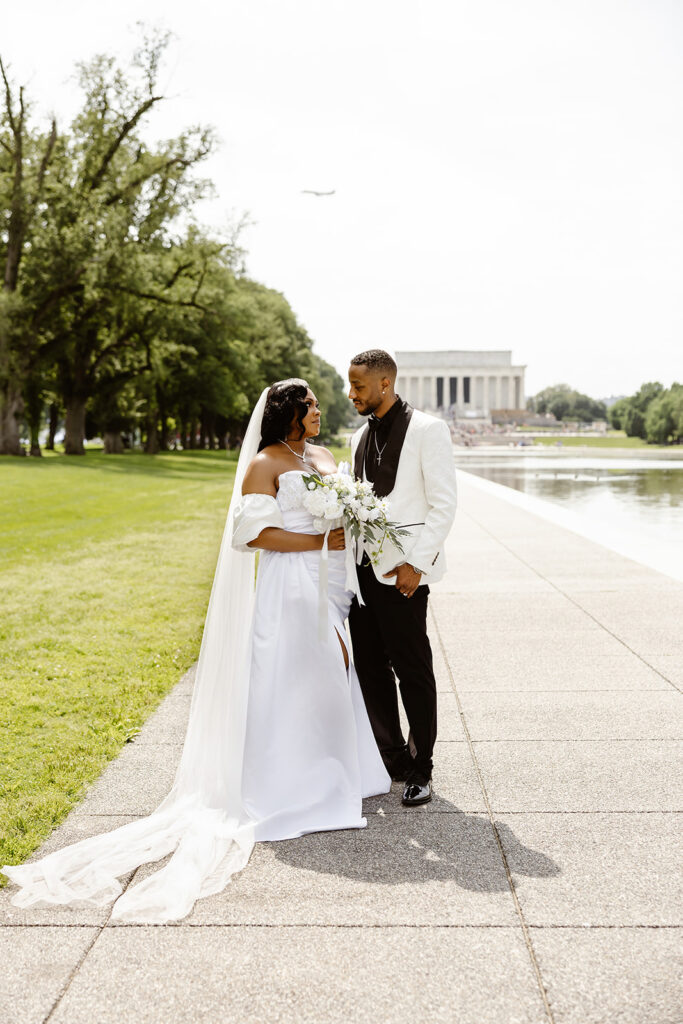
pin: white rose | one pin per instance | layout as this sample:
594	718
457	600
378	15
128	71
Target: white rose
315	503
333	511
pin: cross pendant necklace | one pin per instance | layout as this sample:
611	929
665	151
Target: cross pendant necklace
380	451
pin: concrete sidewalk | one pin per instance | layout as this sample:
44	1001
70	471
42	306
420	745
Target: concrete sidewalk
541	884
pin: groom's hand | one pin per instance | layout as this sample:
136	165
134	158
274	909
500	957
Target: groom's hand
407	580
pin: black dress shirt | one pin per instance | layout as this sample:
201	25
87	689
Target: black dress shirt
379	431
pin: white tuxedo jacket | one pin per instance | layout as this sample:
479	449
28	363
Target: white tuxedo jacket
423	499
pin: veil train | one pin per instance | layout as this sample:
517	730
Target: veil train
202	819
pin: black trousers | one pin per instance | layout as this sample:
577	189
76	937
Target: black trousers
389	635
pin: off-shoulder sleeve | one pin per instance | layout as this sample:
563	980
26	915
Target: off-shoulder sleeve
254	513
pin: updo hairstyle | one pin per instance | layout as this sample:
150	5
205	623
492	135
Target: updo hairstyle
285	400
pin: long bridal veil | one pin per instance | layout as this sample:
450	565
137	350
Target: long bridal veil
202	820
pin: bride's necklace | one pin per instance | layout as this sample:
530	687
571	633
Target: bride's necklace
302	457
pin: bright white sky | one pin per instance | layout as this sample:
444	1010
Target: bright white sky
508	173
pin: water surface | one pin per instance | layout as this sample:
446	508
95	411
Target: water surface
639	502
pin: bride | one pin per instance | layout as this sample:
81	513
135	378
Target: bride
278	742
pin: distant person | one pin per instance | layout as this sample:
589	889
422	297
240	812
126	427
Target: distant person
407	455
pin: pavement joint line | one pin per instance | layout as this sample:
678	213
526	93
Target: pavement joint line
611	689
576	604
577	739
560	812
82	958
479	811
518	907
359	927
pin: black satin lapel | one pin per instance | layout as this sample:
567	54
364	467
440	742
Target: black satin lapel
385	477
360	453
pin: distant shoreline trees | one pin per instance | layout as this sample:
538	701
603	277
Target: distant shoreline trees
654	413
567	404
118	314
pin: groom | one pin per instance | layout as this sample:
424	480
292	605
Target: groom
407	455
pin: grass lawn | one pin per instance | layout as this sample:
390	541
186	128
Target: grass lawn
608	441
107	563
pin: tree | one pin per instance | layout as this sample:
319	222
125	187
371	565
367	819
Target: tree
565	403
329	388
24	162
110	312
629	414
109	219
616	413
664	416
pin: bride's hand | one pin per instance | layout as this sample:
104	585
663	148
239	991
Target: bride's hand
336	541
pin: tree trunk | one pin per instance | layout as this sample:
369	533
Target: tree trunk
53	423
193	434
74	427
33	411
113	442
163	419
35	440
152	439
202	431
11	409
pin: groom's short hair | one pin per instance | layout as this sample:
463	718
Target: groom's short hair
376	359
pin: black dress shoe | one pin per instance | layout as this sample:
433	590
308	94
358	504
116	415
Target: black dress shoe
417	792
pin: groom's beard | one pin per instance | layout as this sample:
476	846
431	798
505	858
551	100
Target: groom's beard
368	408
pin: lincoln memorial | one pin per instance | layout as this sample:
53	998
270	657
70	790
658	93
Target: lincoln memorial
460	383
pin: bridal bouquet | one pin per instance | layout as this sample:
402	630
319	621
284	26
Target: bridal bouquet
338	499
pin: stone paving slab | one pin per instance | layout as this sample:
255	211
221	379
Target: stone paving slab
76	827
573	716
651	642
300	975
402	870
611	976
456	786
650	608
136	782
168	723
503	670
186	684
582	775
413	918
532	647
497	612
37	965
670	666
473	577
612	869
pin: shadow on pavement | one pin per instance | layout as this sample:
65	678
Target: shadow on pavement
419	846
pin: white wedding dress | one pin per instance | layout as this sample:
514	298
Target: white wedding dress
310	754
278	742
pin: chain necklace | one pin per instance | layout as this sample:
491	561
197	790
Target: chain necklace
380	451
302	457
